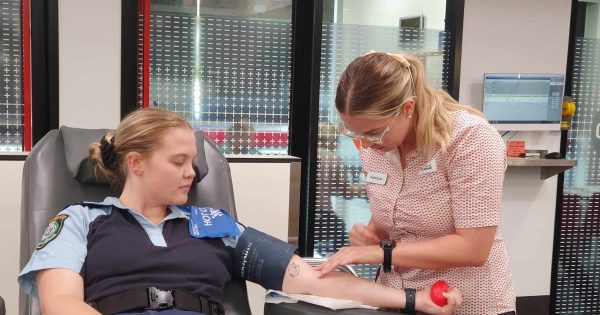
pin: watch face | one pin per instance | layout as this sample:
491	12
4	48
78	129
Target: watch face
388	243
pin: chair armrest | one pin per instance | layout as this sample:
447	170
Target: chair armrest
236	298
302	308
2	307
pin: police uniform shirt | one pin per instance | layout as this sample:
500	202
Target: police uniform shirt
116	249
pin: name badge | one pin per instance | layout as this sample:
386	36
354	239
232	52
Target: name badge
376	178
429	167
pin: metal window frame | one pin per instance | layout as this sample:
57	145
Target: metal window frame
577	27
40	72
44	68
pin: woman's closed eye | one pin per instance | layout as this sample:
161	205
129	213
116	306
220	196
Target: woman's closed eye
178	162
181	160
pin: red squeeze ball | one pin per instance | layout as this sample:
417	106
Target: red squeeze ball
436	292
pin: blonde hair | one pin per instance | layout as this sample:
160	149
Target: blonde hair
375	85
141	131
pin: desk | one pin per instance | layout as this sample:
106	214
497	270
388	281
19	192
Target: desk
549	167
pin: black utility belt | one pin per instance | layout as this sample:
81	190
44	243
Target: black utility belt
155	299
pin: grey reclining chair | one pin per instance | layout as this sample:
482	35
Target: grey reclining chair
2	307
57	173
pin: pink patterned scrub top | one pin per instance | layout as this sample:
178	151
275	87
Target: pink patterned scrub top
461	187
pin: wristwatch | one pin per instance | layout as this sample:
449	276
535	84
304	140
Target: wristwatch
387	246
411	301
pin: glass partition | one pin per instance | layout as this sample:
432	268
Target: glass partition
225	66
11	87
578	267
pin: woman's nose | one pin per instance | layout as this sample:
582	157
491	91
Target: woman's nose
190	171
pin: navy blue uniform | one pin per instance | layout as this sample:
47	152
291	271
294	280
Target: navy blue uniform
116	249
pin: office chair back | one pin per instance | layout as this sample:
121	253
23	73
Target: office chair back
58	173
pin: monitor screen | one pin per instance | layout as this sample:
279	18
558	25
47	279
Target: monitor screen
518	101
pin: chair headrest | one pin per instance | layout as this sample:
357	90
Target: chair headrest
77	141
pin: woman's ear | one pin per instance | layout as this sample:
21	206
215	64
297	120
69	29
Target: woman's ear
134	163
409	108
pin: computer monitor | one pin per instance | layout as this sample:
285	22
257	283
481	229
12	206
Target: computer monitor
519	101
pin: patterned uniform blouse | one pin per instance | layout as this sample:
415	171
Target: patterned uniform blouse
461	187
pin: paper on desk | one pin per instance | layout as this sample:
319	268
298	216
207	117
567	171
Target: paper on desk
277	297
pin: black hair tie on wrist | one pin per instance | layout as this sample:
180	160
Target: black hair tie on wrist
109	157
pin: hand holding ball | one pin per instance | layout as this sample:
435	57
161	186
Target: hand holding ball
436	292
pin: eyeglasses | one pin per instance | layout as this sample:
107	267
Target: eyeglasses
371	138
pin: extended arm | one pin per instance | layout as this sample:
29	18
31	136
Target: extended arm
467	248
270	262
301	278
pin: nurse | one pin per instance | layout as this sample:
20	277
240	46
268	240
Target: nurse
434	170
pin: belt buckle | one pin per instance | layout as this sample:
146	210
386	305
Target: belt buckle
159	299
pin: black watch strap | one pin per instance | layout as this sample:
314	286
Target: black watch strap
387	259
387	246
411	300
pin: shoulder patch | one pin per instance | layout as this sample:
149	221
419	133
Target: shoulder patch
52	231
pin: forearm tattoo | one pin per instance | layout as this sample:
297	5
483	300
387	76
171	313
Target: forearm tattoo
294	269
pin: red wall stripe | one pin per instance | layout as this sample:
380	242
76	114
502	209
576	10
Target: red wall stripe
146	54
26	44
257	139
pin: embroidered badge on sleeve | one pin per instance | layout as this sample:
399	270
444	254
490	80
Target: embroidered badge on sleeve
52	230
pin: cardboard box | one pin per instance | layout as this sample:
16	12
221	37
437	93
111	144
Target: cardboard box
515	148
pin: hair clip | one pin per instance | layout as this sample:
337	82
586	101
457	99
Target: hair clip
401	59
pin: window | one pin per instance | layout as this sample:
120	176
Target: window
12	103
225	66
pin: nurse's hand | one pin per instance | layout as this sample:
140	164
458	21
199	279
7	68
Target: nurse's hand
362	235
372	254
424	303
